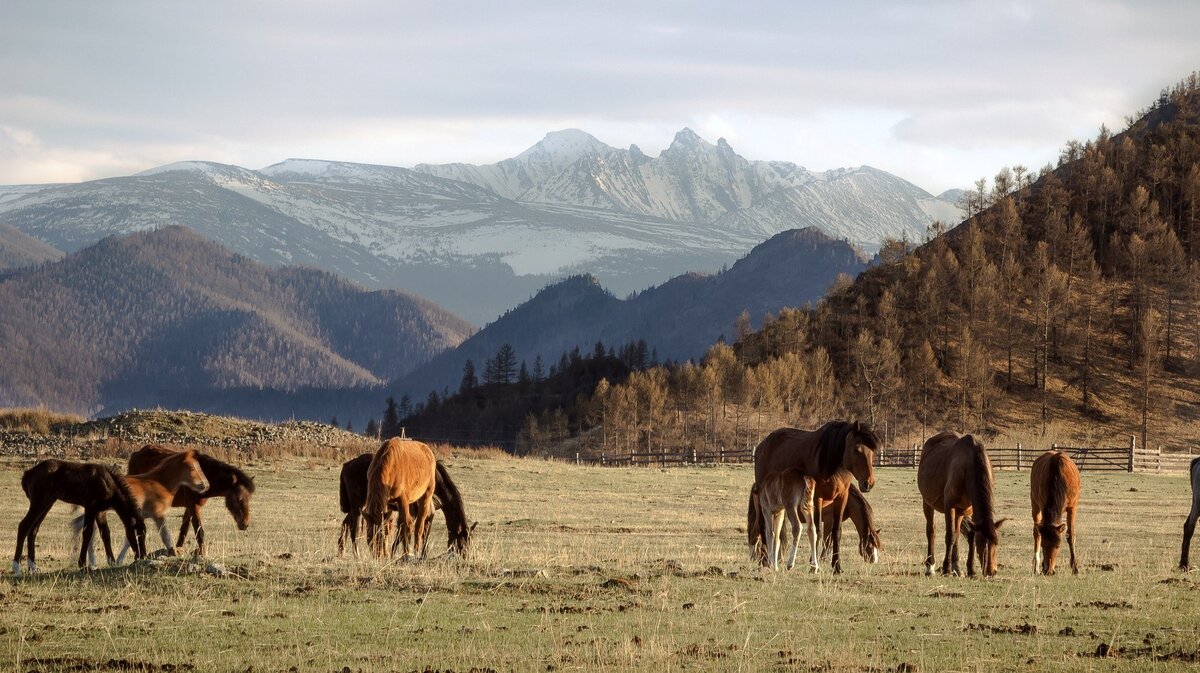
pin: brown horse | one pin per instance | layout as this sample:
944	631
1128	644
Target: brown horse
833	455
402	473
1054	492
95	488
955	477
223	480
862	515
352	494
786	493
1189	525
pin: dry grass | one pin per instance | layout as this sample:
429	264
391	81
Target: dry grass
641	569
34	421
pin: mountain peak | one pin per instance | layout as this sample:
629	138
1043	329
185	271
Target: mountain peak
570	143
688	137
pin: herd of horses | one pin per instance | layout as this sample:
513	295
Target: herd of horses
806	477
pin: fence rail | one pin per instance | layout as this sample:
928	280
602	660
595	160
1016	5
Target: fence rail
1129	458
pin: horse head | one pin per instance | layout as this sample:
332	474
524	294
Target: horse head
987	542
858	455
1051	534
460	539
194	476
237	501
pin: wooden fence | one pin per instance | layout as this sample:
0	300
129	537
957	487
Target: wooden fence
1127	458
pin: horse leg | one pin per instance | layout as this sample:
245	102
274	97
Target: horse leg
406	528
164	534
1037	545
89	526
951	543
794	520
823	517
1189	527
424	523
27	531
929	532
814	562
768	533
342	534
970	546
1071	539
183	528
835	533
105	537
198	528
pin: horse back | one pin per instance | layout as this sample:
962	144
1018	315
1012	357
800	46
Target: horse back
940	472
352	488
402	467
786	448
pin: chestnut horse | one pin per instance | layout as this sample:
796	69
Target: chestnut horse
93	487
1189	526
786	493
860	513
1054	492
833	455
352	495
402	473
154	490
223	480
955	477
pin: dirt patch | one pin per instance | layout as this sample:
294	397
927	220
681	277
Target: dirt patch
1105	605
1025	629
617	583
945	594
80	664
1104	651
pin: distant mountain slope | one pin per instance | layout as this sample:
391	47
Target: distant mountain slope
168	315
18	249
680	318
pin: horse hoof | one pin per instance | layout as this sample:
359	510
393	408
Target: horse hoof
929	571
16	567
814	569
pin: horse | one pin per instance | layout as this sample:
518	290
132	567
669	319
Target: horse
93	487
833	455
786	493
861	514
223	480
955	477
1189	526
402	473
352	494
154	490
1054	493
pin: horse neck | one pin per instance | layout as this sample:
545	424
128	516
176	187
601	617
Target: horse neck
860	514
980	489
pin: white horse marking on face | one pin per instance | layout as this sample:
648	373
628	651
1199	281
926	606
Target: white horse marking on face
874	556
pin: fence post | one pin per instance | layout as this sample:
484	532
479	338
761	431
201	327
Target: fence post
1158	459
1018	456
576	457
721	455
1132	449
694	455
915	454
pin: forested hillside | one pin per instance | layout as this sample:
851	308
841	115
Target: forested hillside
679	319
166	316
1064	307
18	249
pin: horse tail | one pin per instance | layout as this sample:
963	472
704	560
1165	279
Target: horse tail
1056	490
377	493
344	496
753	519
26	477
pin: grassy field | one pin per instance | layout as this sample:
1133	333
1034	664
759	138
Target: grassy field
579	568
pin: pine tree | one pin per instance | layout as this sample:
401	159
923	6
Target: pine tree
468	378
539	371
390	427
372	430
505	364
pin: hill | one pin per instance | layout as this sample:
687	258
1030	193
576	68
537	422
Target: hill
168	317
18	249
679	319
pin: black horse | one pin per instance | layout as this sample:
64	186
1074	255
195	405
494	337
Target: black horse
93	487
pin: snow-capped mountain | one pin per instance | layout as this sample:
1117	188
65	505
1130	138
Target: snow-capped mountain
695	181
479	239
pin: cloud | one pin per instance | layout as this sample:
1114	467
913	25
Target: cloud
399	83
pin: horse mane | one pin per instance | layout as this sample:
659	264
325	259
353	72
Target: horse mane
378	494
447	492
1056	496
980	489
223	471
831	445
125	499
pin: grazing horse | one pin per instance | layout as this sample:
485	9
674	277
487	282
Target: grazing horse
859	512
955	477
1189	526
402	473
1054	492
223	480
93	487
786	493
833	455
352	494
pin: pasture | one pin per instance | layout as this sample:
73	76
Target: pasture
586	568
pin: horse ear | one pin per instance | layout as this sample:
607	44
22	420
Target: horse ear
472	528
1060	528
999	523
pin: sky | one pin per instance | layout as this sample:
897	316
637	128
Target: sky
940	93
